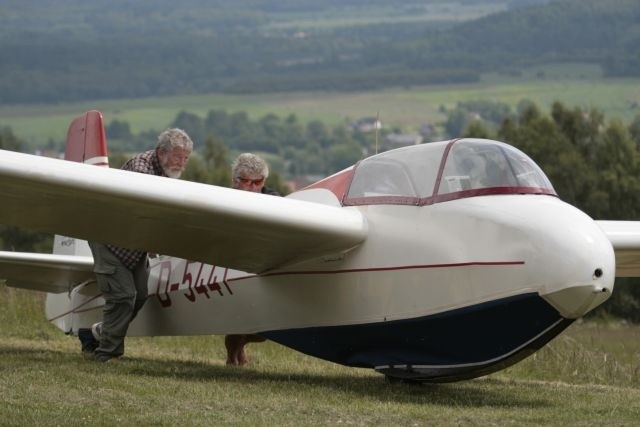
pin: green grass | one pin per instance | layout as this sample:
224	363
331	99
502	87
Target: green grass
406	108
586	376
379	14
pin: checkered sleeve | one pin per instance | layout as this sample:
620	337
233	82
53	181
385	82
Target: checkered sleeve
147	163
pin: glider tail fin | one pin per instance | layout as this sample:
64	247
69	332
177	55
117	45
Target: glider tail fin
86	143
86	140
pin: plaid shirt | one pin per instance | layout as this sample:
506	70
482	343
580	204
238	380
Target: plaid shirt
148	163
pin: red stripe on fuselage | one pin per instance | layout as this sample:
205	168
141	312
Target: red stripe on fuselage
320	272
404	267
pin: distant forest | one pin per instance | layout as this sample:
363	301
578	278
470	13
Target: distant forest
59	51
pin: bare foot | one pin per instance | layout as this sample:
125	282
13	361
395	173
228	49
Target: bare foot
236	355
242	356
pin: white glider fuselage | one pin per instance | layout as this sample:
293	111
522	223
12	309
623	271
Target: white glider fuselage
417	261
430	290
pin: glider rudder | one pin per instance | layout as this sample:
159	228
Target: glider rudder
86	140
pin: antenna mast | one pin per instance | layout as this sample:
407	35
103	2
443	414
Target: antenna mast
376	125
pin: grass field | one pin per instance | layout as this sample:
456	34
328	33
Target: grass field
431	12
590	375
406	108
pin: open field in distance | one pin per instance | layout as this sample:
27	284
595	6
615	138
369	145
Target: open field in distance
428	13
405	108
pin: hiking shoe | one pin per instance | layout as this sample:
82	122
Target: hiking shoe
87	341
103	358
96	330
98	357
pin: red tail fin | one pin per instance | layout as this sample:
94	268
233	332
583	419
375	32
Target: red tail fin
86	140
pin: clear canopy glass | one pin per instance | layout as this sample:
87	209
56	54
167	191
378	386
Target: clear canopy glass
447	170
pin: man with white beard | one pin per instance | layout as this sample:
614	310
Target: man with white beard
122	273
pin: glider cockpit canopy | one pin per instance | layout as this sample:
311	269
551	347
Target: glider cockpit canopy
437	172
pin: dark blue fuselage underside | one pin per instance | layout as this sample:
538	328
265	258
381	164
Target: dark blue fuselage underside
453	345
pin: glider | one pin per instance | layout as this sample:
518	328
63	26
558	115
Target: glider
437	262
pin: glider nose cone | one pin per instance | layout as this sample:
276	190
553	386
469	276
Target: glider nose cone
577	299
580	265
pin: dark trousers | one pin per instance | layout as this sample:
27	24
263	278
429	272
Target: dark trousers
124	292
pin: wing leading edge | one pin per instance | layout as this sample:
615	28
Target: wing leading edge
220	226
625	239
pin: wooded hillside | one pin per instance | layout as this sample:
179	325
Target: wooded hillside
74	50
